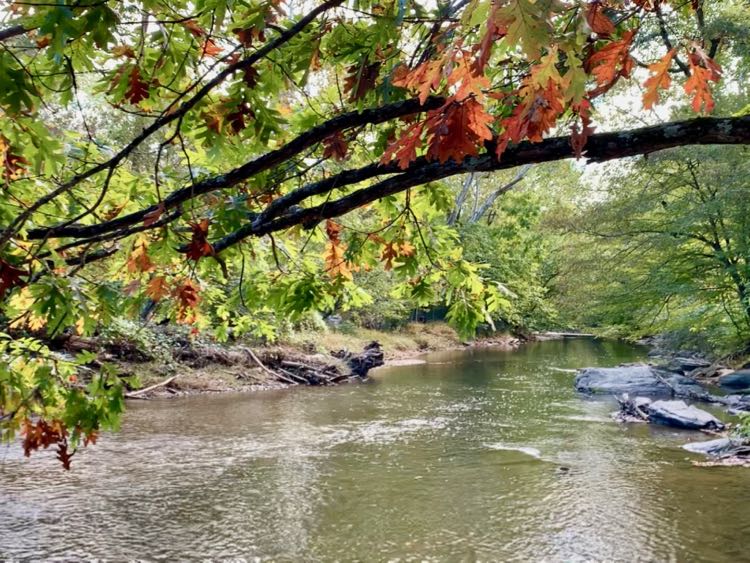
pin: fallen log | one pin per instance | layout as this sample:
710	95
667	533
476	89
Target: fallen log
137	393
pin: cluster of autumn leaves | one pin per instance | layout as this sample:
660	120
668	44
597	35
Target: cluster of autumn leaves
461	127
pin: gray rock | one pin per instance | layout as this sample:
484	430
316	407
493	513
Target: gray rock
737	403
635	380
681	415
710	447
722	447
684	365
737	381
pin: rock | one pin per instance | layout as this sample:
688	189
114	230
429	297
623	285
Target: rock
737	403
736	381
722	447
685	364
681	415
360	364
635	380
710	447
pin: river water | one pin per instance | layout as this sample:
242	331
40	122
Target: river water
475	455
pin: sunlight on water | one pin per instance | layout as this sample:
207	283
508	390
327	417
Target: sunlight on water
477	455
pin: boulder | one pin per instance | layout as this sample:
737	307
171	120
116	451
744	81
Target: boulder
722	447
685	365
738	381
634	380
681	415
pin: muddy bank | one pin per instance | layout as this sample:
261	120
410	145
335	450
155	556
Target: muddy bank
172	363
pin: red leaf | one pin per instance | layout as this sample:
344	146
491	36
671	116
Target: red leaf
404	149
335	146
199	245
598	22
578	137
187	298
361	79
10	277
137	87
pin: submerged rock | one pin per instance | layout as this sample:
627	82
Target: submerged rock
681	415
635	380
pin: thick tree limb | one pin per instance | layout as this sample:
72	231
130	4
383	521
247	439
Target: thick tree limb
600	148
260	164
13	31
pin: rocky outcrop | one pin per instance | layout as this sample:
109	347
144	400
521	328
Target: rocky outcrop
680	415
634	380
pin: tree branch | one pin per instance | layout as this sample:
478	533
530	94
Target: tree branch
600	148
260	164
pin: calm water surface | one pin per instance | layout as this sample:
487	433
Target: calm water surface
476	455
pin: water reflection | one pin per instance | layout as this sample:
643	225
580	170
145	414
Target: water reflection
480	454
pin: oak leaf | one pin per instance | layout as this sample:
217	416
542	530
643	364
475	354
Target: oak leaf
336	146
157	288
598	21
361	79
703	70
199	245
611	62
10	277
137	87
659	79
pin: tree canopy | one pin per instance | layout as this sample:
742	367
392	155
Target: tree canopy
236	162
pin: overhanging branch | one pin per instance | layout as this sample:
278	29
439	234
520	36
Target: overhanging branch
600	148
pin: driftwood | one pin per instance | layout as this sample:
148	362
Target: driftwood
630	411
137	393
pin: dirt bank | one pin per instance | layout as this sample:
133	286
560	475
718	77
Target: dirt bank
167	363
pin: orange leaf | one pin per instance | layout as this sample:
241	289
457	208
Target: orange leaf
153	216
611	62
458	130
702	70
211	49
157	288
659	79
423	78
404	149
598	22
139	261
193	27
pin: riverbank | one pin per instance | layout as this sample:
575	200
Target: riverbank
161	362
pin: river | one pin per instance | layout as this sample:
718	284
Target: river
476	455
